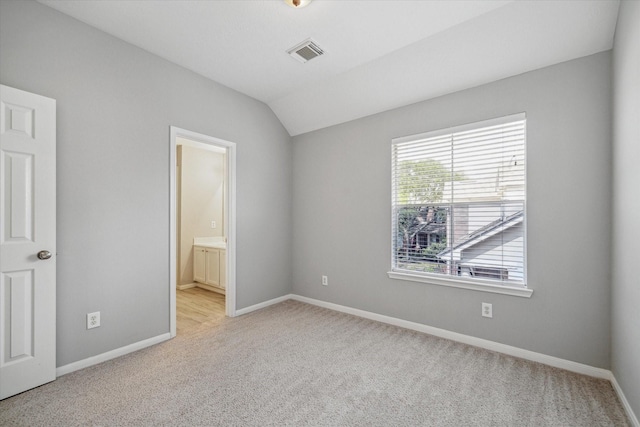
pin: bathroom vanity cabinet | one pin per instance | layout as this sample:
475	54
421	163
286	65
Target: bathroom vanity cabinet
209	266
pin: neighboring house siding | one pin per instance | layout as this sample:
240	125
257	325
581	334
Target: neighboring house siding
497	251
488	236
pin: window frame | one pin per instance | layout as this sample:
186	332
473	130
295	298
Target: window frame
477	284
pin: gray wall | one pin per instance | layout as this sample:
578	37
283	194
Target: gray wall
625	310
342	213
115	105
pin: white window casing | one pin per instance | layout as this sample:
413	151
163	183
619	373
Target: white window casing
459	206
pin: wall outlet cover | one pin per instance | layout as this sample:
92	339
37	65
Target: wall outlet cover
487	310
93	320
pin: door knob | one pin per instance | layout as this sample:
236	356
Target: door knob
44	255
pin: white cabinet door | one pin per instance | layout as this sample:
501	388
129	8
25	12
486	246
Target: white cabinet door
223	269
213	267
27	240
199	264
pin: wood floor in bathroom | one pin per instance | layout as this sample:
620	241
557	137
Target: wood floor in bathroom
195	306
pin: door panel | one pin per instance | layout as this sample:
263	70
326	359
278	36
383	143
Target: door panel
199	265
27	226
17	288
18	171
213	267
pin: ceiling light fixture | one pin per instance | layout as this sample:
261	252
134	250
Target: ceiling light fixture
297	4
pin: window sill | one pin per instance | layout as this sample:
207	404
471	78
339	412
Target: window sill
464	284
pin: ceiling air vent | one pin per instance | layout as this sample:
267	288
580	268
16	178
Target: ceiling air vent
305	51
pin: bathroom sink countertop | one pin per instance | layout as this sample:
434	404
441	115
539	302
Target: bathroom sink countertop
221	245
210	242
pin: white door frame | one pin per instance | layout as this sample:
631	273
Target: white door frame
229	218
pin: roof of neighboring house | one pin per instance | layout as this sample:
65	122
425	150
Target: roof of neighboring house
483	233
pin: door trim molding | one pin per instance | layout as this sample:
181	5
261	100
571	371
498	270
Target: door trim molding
229	215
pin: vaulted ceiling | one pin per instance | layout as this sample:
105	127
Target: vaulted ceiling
378	54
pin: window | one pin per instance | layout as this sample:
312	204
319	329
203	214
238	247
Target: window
459	205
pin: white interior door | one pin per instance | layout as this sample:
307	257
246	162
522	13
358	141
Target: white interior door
27	240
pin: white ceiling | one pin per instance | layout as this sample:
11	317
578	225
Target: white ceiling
378	54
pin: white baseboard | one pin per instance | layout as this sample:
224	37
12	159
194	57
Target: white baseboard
263	304
211	288
94	360
625	402
466	339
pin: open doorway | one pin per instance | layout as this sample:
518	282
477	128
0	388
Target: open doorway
202	227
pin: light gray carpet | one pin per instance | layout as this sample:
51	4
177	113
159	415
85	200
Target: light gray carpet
297	364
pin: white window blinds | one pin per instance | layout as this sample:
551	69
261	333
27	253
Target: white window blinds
459	202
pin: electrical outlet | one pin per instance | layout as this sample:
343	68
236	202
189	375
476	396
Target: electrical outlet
487	309
93	320
325	281
213	224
